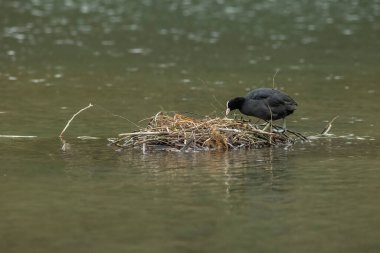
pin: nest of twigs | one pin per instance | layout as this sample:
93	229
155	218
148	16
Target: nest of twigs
181	133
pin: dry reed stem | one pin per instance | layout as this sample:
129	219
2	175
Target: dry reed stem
65	145
72	118
327	129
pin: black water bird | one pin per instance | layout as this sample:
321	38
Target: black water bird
264	103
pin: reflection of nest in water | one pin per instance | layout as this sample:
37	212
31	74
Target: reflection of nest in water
181	133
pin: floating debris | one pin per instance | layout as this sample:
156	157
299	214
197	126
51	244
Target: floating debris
181	133
85	137
16	136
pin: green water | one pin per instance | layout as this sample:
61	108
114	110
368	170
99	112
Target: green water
134	58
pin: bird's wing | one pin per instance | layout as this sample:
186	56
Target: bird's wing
277	100
259	94
274	98
285	99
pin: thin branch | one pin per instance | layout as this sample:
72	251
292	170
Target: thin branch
328	126
116	115
274	76
143	133
76	114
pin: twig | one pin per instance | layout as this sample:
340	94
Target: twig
328	126
68	123
274	76
116	115
220	104
187	144
143	133
155	116
229	130
299	135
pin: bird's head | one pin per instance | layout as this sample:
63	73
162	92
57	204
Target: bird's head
233	104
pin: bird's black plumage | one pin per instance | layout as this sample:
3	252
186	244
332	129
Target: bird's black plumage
264	103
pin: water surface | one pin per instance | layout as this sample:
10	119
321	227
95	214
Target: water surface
138	57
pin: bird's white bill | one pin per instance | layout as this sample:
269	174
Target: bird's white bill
227	111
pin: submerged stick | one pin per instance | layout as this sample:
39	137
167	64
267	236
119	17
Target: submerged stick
187	143
76	114
328	126
301	136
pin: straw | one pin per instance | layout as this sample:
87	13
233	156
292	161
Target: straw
177	132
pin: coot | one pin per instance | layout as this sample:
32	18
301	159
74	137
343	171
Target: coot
264	103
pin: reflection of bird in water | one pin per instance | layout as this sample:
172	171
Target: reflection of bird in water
264	103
